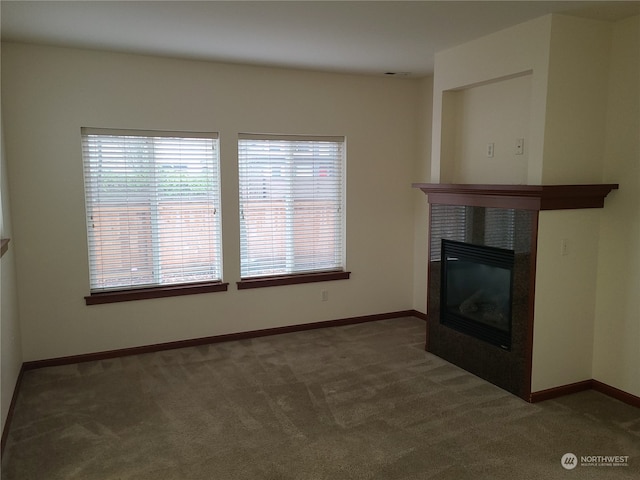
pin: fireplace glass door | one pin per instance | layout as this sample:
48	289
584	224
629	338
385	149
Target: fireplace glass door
476	291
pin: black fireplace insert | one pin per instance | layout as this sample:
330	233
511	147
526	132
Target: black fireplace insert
476	291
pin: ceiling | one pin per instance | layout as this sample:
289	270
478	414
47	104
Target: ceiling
365	37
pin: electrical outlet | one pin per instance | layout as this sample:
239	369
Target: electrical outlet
324	295
564	247
519	146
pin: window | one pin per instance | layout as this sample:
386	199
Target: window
291	205
153	209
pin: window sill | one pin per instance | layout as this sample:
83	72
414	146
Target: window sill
279	280
154	292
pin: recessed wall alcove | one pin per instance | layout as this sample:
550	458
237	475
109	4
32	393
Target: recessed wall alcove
495	112
501	217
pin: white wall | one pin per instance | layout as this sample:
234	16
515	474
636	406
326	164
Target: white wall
616	358
49	93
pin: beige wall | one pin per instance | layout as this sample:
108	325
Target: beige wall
421	207
565	297
49	93
566	62
498	113
523	49
584	82
10	339
576	100
573	154
616	357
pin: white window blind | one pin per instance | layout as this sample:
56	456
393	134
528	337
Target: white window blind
153	208
291	204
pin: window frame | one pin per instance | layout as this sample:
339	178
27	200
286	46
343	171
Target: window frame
293	277
153	290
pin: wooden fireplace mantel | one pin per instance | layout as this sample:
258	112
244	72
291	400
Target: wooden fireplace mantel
526	197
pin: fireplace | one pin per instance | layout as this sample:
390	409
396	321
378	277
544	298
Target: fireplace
476	291
480	273
482	268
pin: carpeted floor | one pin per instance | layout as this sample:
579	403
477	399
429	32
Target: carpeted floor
356	402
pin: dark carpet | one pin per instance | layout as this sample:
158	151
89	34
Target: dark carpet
356	402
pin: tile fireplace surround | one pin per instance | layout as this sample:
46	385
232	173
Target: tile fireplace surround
504	216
